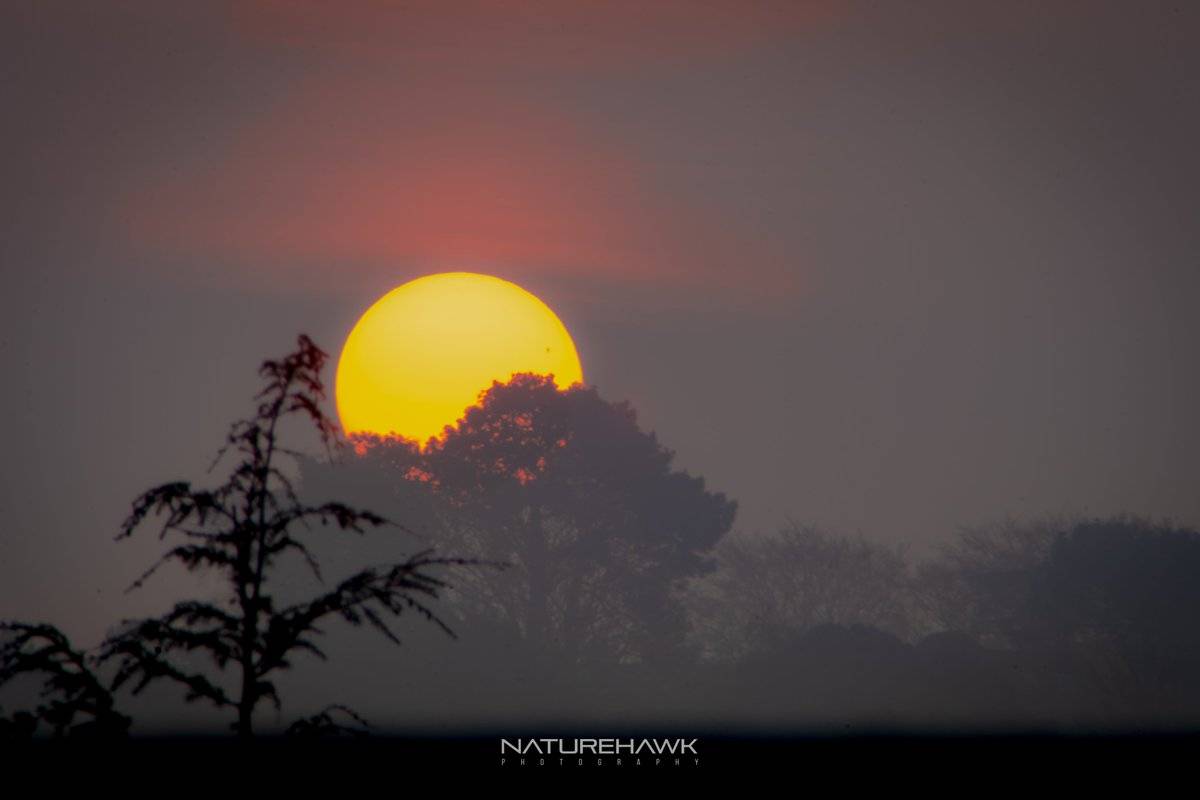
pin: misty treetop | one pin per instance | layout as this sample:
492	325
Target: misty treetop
599	526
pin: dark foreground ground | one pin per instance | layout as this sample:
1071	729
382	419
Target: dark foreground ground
962	762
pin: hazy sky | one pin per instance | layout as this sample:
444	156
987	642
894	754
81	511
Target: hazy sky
885	267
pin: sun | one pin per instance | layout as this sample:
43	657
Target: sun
423	353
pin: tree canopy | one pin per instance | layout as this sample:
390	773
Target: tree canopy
599	527
771	589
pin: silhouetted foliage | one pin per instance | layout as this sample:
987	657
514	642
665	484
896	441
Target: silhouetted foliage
770	589
1122	595
71	689
1101	612
565	486
861	677
241	529
981	581
623	573
331	721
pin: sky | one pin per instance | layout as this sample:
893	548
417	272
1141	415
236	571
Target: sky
886	268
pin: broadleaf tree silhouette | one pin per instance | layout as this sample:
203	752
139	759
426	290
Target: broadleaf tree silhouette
601	530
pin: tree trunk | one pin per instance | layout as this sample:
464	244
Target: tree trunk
247	699
245	723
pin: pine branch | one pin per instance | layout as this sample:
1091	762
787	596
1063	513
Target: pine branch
240	529
70	688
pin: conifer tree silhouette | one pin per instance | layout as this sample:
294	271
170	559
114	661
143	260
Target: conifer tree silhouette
241	529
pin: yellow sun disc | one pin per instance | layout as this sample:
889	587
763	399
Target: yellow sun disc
423	353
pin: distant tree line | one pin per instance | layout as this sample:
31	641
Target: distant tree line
1077	623
591	579
630	593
